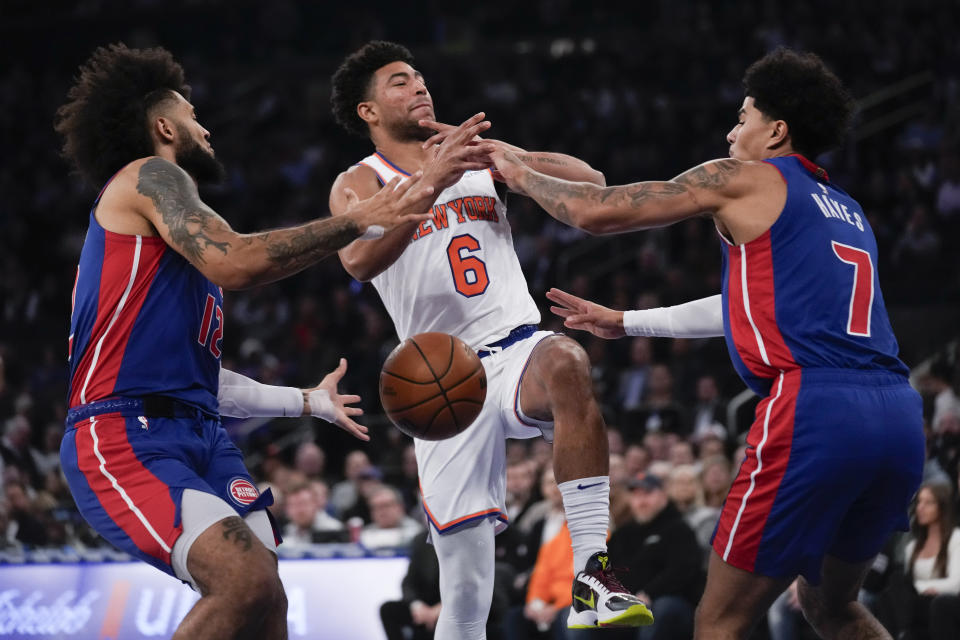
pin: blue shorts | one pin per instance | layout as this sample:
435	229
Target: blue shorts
833	459
127	473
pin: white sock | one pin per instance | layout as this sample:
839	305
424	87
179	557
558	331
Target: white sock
586	502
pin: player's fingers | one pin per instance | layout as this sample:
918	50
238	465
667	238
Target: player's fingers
563	312
567	299
341	369
415	217
353	411
357	430
469	133
435	139
349	398
393	185
439	127
466	128
473	166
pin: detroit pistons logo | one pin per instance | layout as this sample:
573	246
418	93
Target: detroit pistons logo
243	492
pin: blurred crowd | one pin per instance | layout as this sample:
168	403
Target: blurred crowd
638	91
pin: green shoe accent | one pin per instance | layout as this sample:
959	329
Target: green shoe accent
591	603
636	616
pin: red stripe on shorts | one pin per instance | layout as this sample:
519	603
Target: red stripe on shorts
135	499
745	512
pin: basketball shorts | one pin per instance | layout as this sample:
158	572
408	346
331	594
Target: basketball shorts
127	473
833	460
463	478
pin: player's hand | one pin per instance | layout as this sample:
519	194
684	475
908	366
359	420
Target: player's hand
584	315
395	204
324	401
456	150
508	168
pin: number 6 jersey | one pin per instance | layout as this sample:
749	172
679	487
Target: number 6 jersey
459	274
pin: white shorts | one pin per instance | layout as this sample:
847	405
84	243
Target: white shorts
463	478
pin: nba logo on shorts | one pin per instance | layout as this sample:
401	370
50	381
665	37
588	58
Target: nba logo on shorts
242	491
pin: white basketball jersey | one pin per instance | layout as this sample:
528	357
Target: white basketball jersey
459	274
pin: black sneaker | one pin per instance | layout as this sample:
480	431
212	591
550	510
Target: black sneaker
600	600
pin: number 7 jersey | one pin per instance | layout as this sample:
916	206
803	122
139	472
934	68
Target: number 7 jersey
459	274
806	294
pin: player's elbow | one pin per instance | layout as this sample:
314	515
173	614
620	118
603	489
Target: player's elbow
360	270
597	178
590	221
234	276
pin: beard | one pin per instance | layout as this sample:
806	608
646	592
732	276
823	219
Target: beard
409	131
198	162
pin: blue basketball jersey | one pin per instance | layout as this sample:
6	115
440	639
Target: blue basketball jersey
144	322
806	294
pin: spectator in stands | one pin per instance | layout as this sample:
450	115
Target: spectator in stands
521	477
310	460
681	452
414	616
716	478
306	522
620	512
636	459
686	492
16	450
391	527
932	558
663	559
633	380
548	590
946	403
324	521
346	493
29	526
711	441
709	409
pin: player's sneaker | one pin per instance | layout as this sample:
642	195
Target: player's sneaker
600	600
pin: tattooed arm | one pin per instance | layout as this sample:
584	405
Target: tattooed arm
558	165
710	188
170	201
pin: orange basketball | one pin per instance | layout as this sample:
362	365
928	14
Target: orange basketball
432	386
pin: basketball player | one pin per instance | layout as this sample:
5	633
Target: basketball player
147	461
837	448
458	273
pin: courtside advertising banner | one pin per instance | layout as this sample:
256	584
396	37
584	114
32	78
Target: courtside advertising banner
330	598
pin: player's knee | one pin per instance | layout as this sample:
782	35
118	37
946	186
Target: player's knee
255	591
563	363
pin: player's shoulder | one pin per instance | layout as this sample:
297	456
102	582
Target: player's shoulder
359	178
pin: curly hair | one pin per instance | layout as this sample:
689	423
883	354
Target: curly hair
351	82
799	89
104	121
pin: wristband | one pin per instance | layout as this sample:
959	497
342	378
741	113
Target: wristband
321	406
373	232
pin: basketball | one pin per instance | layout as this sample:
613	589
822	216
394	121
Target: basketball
432	386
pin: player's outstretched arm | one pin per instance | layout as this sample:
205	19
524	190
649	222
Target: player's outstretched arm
696	319
706	188
243	397
558	165
170	201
